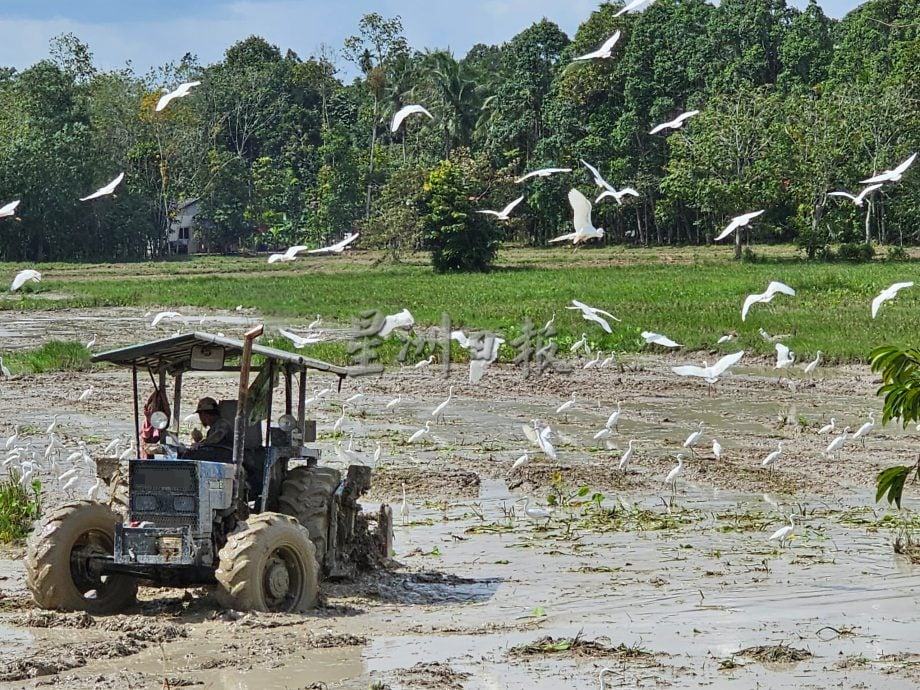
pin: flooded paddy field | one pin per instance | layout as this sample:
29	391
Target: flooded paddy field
664	586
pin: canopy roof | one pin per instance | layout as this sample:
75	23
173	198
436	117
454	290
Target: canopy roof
175	355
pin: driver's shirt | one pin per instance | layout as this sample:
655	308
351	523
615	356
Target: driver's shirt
220	435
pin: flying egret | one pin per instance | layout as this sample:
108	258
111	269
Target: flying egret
402	319
658	339
627	456
737	222
581	220
338	247
542	172
421	432
675	473
694	438
106	190
405	112
710	374
676	123
772	290
810	367
772	457
605	51
837	443
888	293
784	534
24	277
859	198
864	430
299	342
617	195
784	356
289	255
892	175
827	428
160	316
535	513
503	214
632	7
614	419
592	314
180	92
9	210
716	449
438	412
581	343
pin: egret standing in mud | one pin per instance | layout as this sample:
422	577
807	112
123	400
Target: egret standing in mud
784	534
675	473
627	456
772	457
694	438
438	412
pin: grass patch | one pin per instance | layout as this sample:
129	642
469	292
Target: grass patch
693	295
55	355
19	507
578	647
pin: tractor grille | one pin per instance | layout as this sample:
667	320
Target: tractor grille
164	492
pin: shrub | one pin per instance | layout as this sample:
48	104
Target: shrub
897	252
856	251
19	507
55	355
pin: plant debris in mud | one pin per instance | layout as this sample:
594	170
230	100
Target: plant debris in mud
436	676
779	653
578	647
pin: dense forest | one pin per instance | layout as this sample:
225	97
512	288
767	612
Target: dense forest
279	149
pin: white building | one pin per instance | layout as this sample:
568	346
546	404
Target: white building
182	236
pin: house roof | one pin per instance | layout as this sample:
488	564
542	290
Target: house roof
175	354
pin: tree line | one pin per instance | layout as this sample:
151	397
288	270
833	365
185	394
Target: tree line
281	150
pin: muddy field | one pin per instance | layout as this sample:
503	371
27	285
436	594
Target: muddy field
664	588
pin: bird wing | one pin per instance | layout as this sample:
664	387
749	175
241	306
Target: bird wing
274	258
405	112
9	209
598	178
592	316
726	362
905	165
564	238
881	177
663	125
630	7
683	117
489	212
605	194
531	434
165	99
581	210
609	43
776	286
750	301
108	189
628	191
659	339
542	172
887	294
293	251
782	352
24	277
510	207
728	230
846	194
746	218
864	193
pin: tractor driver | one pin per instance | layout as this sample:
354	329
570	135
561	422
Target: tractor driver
220	433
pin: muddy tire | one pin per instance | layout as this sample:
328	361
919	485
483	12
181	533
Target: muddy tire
306	494
269	566
57	557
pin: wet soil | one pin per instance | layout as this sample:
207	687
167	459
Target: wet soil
662	585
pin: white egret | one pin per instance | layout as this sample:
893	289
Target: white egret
710	374
85	394
9	210
627	456
438	412
127	452
784	357
675	473
4	370
106	190
70	484
892	175
864	430
608	361
503	214
315	323
592	314
535	513
630	7
859	198
603	433
614	419
784	534
338	247
180	92
617	194
521	461
421	432
658	339
404	507
298	341
592	363
676	123
289	255
828	428
52	425
13	437
581	220
694	438
378	452
93	492
405	112
24	277
582	343
91	342
837	443
402	319
888	293
323	393
605	51
112	448
337	427
542	172
772	290
160	316
725	338
424	363
543	440
812	365
354	398
737	222
773	457
394	402
566	406
716	449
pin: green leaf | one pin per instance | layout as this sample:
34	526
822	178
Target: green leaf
891	482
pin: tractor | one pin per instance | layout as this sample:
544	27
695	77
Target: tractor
261	523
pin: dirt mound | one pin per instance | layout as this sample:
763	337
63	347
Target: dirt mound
436	676
579	647
456	483
779	653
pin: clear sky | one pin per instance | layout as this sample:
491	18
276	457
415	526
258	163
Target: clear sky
149	33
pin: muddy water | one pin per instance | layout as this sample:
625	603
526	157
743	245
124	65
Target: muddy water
477	582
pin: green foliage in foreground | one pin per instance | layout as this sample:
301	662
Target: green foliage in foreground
55	355
19	507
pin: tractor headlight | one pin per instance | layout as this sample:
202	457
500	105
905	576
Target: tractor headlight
287	422
184	504
145	503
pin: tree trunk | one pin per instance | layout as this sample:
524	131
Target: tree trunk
370	165
869	222
737	244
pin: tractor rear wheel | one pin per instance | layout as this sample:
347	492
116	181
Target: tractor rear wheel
269	566
306	494
59	557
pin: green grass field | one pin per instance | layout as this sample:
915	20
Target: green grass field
691	295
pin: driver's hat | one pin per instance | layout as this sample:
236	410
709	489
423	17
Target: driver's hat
207	405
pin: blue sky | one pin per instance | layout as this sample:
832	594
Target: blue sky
152	32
